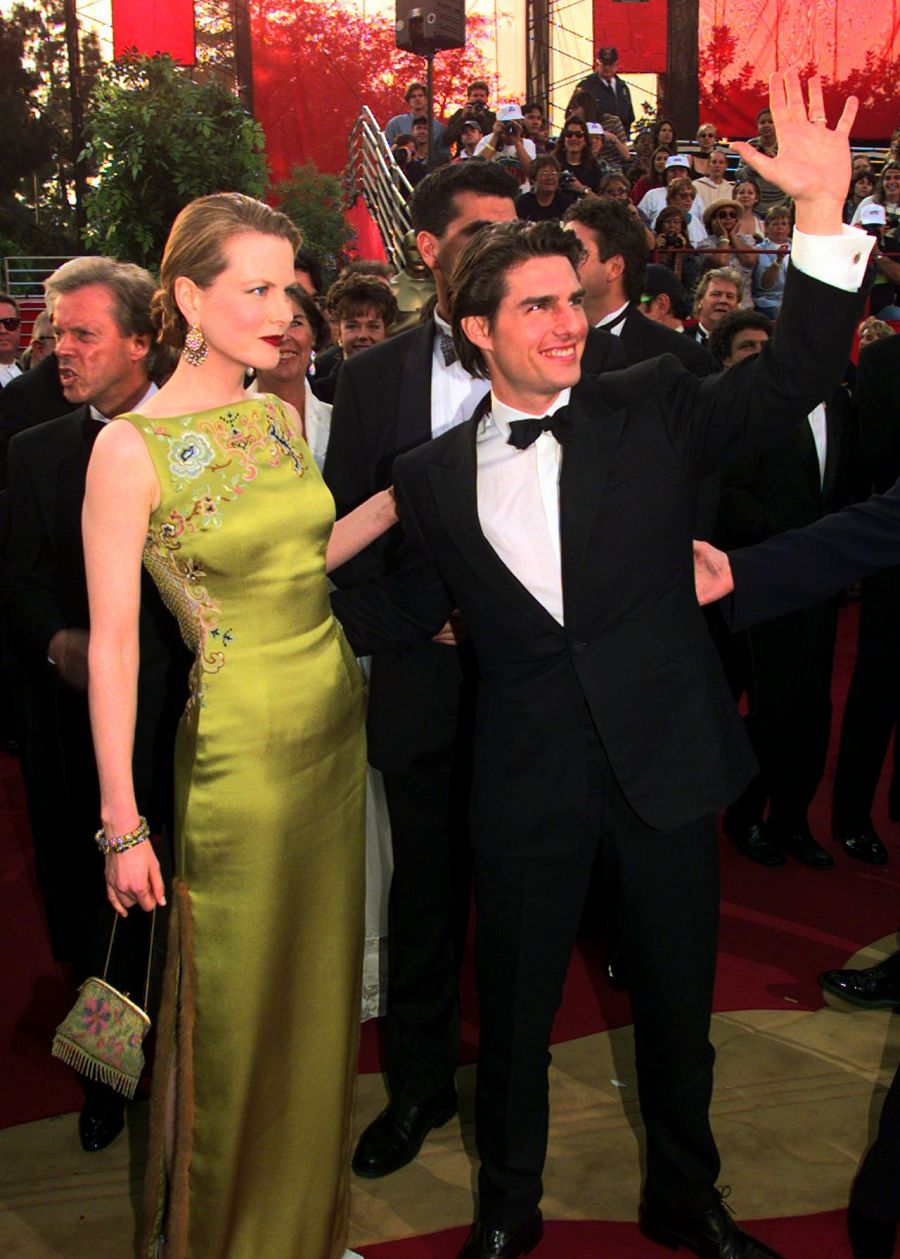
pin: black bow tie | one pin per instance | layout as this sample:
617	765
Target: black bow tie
524	433
448	349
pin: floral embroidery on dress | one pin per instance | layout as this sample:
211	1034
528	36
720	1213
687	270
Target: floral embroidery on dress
189	454
181	589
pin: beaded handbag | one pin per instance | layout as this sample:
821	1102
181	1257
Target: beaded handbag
102	1035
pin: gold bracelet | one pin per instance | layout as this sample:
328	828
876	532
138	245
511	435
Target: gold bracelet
121	843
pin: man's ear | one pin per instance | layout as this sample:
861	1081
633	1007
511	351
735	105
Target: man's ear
140	346
478	330
615	267
429	247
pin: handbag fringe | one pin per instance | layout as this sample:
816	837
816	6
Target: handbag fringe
74	1056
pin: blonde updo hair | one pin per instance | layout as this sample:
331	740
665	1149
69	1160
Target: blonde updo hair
195	249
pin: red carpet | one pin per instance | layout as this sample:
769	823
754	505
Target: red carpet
780	928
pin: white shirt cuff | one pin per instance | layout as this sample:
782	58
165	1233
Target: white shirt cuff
836	260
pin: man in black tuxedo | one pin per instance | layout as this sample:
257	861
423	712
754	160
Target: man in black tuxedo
613	273
811	472
603	724
101	317
873	699
608	90
389	399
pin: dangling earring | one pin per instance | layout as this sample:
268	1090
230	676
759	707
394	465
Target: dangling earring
195	347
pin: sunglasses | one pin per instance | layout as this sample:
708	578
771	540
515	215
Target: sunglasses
11	323
573	135
726	214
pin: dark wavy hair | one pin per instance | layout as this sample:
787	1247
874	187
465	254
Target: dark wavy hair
616	233
478	283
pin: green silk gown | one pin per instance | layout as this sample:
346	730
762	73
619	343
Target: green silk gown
261	996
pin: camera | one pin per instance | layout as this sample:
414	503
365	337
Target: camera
566	178
511	129
673	239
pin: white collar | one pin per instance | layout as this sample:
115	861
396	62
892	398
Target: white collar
95	414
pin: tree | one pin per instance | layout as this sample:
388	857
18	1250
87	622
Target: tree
36	178
314	202
158	141
317	63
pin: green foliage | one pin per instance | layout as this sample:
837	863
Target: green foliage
38	151
314	202
159	140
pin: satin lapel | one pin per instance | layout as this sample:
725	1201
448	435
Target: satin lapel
454	486
833	447
585	466
805	443
414	401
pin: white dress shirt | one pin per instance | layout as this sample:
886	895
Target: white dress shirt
454	393
8	372
518	502
104	419
816	420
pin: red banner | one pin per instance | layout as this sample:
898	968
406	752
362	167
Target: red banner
637	30
154	27
853	44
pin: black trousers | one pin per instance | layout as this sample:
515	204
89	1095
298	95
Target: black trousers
427	915
872	704
789	664
665	904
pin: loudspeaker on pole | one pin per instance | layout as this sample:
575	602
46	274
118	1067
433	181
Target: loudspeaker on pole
425	27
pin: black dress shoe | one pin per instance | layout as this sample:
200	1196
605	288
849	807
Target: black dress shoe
870	1239
710	1235
752	841
100	1124
485	1242
802	847
866	846
395	1137
875	988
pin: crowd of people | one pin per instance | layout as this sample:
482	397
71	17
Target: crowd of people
198	557
601	150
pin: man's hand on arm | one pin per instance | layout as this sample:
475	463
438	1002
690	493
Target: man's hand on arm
68	651
712	573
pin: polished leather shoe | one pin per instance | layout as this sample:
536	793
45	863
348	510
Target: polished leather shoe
752	841
711	1235
395	1137
802	847
485	1242
100	1124
875	988
866	846
870	1239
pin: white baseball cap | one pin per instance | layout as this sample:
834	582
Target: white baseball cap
509	112
872	215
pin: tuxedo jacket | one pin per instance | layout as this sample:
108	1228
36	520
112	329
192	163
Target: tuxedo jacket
642	338
612	100
30	399
46	590
782	488
634	657
877	396
382	408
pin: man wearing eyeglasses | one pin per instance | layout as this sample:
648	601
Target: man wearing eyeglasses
10	335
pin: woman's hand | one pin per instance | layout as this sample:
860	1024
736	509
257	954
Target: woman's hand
133	877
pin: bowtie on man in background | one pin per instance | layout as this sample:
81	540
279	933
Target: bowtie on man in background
101	318
604	732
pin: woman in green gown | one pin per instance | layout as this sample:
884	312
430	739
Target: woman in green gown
219	497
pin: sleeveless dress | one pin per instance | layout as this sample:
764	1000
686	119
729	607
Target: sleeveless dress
261	995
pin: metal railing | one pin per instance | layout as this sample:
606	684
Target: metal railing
373	174
24	278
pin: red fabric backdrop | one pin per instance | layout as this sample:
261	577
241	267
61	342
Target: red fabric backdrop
636	29
152	28
853	44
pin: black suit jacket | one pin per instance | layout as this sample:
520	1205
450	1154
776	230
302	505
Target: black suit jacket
382	408
611	100
30	399
877	396
634	657
780	489
46	590
642	338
